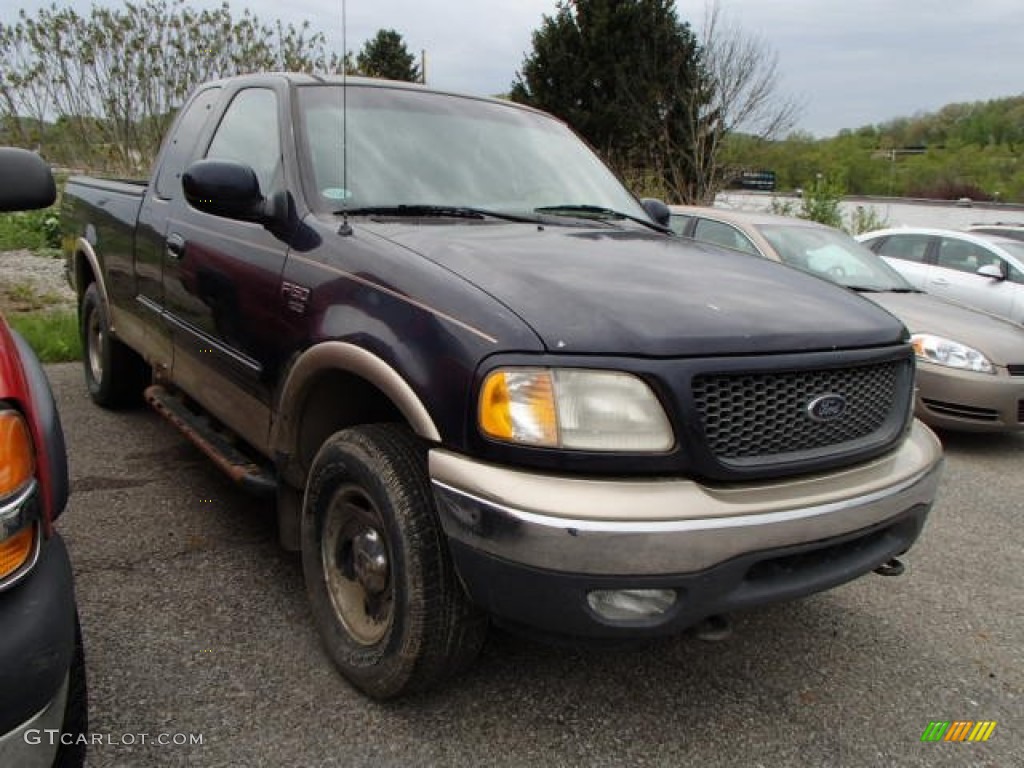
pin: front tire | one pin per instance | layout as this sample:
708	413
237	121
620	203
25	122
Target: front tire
385	597
114	373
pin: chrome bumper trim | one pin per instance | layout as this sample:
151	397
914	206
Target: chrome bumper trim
689	543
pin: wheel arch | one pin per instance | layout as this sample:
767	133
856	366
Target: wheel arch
86	269
335	385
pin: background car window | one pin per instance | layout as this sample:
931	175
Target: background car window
716	232
678	222
906	247
248	134
965	257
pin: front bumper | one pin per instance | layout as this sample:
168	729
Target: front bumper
36	648
967	401
529	547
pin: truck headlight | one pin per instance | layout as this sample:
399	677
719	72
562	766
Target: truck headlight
953	354
573	408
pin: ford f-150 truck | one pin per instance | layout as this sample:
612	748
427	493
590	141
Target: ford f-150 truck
480	379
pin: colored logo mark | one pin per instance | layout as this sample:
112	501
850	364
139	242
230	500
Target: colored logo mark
958	730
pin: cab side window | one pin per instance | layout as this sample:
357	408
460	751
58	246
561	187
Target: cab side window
248	134
716	232
184	141
905	247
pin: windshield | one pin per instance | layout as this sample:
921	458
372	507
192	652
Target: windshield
832	254
415	148
1015	249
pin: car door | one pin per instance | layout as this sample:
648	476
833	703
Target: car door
956	277
908	254
222	277
162	198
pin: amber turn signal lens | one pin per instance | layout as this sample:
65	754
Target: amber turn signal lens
16	550
519	405
17	460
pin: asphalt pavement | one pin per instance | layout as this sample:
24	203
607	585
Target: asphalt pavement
201	650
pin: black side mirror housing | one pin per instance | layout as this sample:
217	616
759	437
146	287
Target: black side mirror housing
26	182
225	188
657	210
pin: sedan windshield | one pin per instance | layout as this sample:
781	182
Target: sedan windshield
834	255
415	148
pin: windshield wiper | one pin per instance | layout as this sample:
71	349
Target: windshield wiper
864	288
597	212
446	211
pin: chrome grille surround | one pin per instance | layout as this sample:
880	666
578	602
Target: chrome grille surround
761	418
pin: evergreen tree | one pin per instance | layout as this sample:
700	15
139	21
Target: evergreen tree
623	74
386	56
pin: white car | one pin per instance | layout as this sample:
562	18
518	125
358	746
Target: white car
982	271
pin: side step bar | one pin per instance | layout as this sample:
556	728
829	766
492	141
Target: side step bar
252	477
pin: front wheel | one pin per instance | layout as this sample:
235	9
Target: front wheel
384	594
114	373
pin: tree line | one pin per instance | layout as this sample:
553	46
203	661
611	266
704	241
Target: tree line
677	109
962	150
99	90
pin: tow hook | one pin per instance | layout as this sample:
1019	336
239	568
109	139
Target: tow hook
894	567
713	629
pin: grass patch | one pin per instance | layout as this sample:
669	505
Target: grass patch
52	334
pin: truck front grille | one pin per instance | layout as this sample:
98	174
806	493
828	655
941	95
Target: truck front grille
764	417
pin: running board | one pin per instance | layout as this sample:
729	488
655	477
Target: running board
252	477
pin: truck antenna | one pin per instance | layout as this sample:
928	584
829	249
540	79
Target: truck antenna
345	228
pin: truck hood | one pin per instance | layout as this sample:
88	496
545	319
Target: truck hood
609	290
1001	341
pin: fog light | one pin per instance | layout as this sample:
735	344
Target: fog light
627	604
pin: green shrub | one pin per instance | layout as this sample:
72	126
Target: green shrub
52	334
30	229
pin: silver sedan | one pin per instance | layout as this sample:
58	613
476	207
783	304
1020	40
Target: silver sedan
980	270
970	371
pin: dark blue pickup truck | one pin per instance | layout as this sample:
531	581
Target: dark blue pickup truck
481	380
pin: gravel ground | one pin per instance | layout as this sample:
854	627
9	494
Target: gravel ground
21	271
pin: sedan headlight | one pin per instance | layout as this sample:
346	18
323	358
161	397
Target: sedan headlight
941	351
576	409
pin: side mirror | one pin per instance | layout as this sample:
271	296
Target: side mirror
991	270
26	182
224	188
657	210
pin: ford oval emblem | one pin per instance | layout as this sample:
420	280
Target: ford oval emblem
826	407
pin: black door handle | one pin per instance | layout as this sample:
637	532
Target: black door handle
175	246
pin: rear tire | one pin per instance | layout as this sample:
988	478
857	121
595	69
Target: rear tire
387	602
114	373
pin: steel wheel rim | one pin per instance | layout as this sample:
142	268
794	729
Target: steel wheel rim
356	565
94	341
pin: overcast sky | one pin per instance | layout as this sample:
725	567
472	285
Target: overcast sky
848	62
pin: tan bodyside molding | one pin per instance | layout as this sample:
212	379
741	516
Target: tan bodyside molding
84	248
348	358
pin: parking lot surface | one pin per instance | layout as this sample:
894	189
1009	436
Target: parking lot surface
201	650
